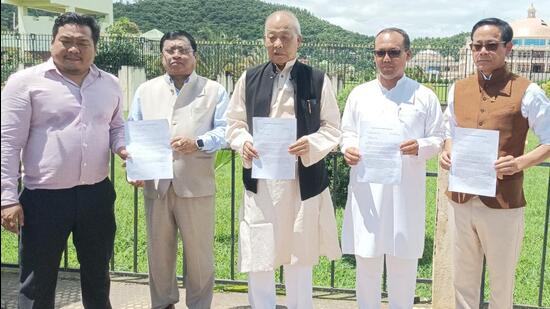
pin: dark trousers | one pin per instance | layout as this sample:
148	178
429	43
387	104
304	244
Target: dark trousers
50	216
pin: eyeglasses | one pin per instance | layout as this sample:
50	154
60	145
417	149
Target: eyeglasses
392	53
489	46
181	50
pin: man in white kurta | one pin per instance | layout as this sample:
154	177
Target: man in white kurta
277	226
383	219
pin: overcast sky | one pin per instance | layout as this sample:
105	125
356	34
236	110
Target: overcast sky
420	18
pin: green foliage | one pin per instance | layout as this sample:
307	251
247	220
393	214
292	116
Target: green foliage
122	27
232	20
114	53
449	45
13	58
546	87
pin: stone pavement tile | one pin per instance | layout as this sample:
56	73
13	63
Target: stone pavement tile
129	292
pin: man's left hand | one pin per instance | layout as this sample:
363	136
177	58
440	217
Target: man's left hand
507	165
122	153
409	147
300	147
184	145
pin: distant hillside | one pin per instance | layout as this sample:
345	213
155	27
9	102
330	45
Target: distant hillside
229	19
234	20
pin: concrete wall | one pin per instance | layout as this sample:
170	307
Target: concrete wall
130	78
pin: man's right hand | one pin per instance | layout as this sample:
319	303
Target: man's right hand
12	218
445	160
352	156
249	152
136	183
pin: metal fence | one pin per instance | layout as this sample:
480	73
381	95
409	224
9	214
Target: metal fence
335	162
346	65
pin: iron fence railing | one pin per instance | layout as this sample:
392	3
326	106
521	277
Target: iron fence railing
349	65
335	161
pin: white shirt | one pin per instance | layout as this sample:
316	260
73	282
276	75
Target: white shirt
389	219
535	106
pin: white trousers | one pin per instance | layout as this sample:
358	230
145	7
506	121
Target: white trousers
298	282
401	281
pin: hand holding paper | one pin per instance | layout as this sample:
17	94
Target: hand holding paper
473	156
272	139
148	143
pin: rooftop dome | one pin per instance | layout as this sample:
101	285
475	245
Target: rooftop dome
531	27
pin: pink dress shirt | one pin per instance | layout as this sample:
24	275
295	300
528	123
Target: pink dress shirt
61	132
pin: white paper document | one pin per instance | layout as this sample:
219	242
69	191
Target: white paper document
272	136
380	154
473	157
148	143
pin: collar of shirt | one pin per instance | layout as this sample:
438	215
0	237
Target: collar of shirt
400	82
287	68
486	77
170	81
93	74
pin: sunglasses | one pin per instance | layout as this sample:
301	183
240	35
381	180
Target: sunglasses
489	46
392	53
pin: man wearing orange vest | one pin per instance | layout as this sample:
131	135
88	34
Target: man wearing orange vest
496	99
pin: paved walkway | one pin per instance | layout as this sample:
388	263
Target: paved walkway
133	292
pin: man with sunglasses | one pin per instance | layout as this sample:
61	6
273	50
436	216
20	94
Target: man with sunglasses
387	220
496	99
195	109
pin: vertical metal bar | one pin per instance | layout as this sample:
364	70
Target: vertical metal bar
65	258
384	276
531	65
113	182
183	270
232	266
482	288
544	242
335	186
135	229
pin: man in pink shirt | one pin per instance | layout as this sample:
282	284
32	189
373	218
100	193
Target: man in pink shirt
60	119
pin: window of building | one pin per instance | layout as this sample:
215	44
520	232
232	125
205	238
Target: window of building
538	68
534	42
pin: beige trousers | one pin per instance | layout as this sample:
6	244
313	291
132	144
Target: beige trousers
194	218
478	230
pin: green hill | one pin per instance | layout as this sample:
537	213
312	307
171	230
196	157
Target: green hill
227	19
233	20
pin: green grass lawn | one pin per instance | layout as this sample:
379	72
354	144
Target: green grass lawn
527	274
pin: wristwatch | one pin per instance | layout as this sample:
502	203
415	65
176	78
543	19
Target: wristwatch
199	143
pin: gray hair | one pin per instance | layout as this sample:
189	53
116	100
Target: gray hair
295	23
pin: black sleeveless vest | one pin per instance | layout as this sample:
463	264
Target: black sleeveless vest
308	84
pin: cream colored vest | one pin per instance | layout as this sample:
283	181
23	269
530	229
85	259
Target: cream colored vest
190	114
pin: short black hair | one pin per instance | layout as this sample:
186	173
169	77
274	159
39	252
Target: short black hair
76	19
172	35
506	32
406	39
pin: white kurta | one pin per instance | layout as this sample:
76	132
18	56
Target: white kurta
276	227
389	219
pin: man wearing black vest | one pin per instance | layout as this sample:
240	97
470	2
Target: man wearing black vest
285	222
493	99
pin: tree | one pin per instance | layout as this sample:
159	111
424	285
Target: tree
123	27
